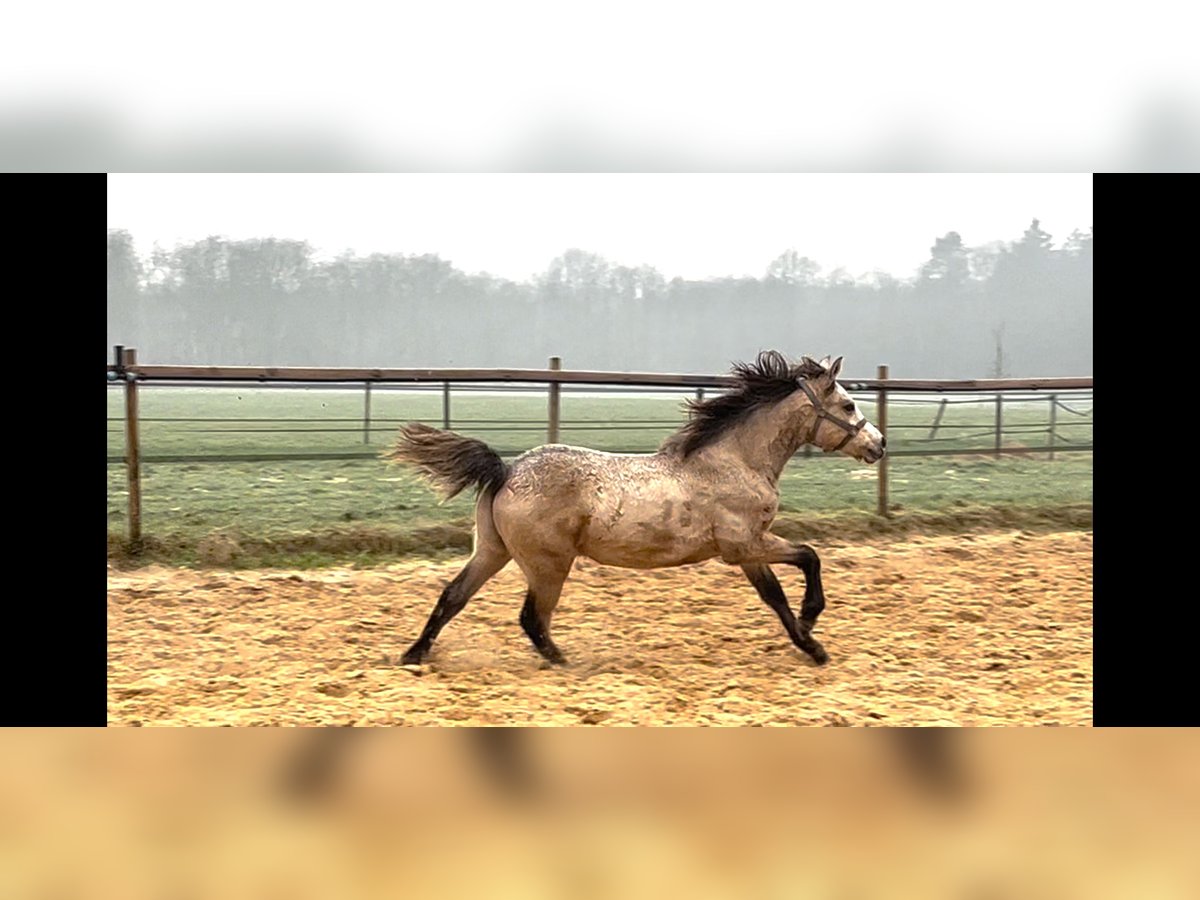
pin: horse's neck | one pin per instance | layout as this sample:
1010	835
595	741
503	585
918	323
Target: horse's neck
771	436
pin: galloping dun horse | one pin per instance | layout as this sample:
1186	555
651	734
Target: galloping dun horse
711	490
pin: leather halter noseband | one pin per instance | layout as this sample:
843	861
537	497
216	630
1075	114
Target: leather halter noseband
822	413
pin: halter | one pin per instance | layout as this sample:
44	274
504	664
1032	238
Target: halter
822	413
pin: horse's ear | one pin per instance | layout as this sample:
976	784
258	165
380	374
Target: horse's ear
831	371
824	362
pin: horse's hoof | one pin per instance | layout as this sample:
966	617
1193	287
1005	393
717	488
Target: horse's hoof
820	657
412	658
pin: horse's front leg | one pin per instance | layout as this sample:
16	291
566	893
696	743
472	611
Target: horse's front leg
755	557
771	591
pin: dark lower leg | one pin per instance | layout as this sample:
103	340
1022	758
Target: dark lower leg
771	591
814	594
535	625
449	604
486	562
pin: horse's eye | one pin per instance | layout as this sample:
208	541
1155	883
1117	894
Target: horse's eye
848	407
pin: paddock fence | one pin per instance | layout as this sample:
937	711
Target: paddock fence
1066	401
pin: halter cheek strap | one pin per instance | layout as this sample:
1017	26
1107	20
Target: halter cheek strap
825	415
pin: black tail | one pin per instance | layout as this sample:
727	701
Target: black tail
449	461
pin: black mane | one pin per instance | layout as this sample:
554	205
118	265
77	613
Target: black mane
767	380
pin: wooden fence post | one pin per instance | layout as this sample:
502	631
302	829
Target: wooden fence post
937	420
367	414
999	421
881	424
1053	421
552	424
446	405
133	465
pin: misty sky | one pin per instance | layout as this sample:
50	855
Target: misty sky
688	225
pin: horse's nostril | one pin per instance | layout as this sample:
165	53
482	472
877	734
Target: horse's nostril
883	442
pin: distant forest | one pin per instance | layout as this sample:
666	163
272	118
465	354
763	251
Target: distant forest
1016	308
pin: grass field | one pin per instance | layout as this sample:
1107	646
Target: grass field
308	512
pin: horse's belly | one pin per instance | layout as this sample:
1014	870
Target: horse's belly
641	545
643	558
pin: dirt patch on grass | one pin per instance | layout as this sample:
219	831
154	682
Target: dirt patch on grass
974	629
963	520
232	548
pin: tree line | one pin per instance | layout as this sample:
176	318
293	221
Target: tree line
1019	308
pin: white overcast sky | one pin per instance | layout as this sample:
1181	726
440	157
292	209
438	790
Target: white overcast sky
688	225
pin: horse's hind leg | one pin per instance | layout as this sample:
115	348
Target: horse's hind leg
768	587
545	587
487	561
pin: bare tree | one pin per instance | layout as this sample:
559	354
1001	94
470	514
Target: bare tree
1000	360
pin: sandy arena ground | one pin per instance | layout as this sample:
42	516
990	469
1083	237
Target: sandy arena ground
965	630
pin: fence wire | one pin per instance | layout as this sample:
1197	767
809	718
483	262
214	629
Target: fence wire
186	423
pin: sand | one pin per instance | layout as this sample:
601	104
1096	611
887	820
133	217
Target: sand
984	629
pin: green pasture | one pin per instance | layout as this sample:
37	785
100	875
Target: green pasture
306	512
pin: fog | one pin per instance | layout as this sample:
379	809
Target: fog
535	87
468	271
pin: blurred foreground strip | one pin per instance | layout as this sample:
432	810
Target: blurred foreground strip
158	814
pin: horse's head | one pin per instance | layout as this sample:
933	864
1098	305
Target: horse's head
840	425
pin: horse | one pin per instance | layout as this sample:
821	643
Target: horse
711	490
